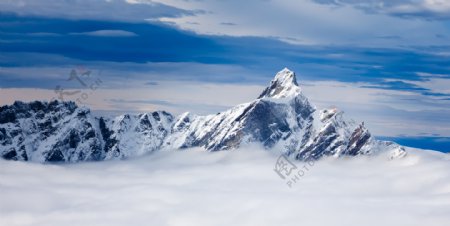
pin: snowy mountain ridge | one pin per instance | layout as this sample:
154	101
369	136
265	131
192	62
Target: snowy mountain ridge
281	117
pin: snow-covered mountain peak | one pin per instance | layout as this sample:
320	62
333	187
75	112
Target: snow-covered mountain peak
282	86
281	118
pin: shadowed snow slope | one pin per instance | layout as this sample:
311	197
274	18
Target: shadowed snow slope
227	188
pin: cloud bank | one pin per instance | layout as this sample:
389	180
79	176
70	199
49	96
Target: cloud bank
227	188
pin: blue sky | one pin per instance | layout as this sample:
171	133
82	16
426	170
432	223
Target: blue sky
383	62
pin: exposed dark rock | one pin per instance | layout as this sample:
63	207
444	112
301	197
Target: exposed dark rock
55	156
156	116
10	155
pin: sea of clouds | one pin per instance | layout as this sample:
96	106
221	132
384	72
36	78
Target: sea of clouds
239	187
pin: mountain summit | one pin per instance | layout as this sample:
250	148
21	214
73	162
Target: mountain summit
283	85
63	132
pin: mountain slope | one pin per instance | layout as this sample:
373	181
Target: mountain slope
281	117
63	132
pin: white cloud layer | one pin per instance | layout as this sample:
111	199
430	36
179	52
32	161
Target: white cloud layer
227	188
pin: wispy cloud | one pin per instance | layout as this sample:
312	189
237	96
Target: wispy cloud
228	23
120	10
325	22
198	107
424	9
107	33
